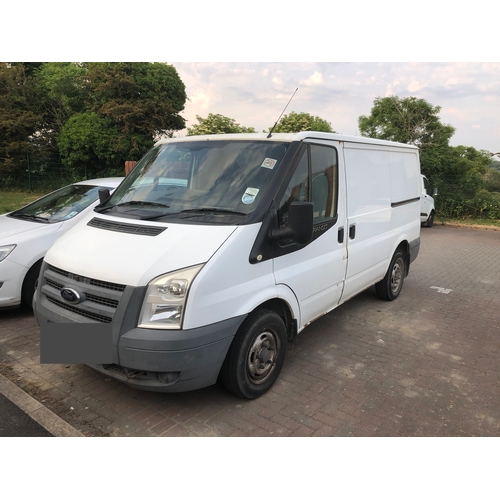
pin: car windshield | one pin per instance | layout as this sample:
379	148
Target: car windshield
60	205
209	178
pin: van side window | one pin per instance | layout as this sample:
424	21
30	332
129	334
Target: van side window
426	186
315	179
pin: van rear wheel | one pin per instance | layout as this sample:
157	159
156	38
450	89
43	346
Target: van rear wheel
256	355
390	287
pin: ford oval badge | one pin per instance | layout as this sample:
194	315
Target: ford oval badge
70	295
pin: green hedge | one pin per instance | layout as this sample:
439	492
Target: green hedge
485	205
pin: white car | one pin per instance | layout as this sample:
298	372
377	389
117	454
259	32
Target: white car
26	235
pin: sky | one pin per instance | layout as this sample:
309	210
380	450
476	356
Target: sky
255	93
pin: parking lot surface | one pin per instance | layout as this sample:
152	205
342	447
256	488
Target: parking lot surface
426	364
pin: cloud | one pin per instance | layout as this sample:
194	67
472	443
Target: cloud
254	94
415	86
315	79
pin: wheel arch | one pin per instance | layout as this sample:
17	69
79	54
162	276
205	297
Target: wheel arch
283	310
404	247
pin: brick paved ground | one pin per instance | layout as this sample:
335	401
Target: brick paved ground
424	365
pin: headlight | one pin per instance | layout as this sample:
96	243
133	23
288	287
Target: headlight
165	300
4	251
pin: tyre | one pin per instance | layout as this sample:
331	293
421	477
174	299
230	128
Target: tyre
256	355
29	284
430	221
390	287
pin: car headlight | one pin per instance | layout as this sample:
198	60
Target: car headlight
4	251
165	299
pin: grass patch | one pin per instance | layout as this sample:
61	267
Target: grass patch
12	200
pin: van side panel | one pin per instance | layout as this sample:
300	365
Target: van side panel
383	191
405	175
369	212
405	192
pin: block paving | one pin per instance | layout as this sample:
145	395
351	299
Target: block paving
427	364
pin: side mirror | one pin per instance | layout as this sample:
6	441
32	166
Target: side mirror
300	223
103	195
434	192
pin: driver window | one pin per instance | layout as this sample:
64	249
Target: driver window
315	179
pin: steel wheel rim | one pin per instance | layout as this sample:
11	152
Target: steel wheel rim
262	357
396	276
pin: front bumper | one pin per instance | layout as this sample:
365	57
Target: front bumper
11	281
150	359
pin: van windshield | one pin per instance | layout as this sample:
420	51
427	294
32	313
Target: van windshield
222	178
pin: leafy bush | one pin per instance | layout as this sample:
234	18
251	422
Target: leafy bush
485	205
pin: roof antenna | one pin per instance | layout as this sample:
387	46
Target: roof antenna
271	131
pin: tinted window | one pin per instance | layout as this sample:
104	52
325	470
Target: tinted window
315	179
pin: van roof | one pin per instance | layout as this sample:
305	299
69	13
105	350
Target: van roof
300	136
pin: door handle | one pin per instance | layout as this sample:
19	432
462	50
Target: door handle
340	237
352	231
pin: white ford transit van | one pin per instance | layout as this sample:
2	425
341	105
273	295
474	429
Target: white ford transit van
216	250
427	209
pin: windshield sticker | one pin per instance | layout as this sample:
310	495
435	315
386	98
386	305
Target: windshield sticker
249	195
70	215
269	163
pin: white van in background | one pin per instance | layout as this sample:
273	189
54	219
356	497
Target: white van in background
216	250
427	209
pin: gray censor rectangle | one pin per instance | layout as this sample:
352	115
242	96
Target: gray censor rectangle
75	343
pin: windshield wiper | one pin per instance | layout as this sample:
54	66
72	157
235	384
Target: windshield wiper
131	203
203	210
32	217
144	203
158	216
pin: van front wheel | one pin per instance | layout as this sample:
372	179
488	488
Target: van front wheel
256	355
390	287
430	221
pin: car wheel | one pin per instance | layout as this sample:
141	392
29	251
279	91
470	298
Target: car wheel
256	355
390	287
430	220
29	285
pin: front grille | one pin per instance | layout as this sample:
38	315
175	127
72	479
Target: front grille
88	281
103	301
54	284
87	314
99	299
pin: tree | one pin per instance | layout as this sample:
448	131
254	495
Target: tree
19	119
299	122
93	114
411	120
141	98
492	179
217	124
127	107
61	93
88	139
